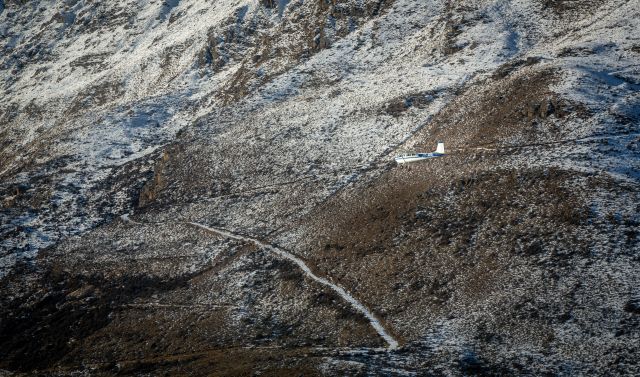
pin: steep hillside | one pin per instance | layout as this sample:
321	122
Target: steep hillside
208	187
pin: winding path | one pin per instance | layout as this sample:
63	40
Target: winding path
375	322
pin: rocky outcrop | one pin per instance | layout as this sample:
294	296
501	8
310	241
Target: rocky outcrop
157	183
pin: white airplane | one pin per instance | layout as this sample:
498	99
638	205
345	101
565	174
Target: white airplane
413	157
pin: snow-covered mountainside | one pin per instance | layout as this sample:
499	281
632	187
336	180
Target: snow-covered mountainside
208	187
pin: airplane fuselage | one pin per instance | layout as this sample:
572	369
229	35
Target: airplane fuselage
407	158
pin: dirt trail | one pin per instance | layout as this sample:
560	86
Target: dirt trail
375	323
495	147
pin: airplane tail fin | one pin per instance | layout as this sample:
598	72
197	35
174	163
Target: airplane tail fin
440	148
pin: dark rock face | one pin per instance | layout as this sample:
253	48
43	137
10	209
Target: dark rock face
153	187
194	187
633	306
269	3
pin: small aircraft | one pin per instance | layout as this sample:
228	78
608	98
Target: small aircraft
413	157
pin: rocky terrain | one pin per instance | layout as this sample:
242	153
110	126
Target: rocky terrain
192	187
